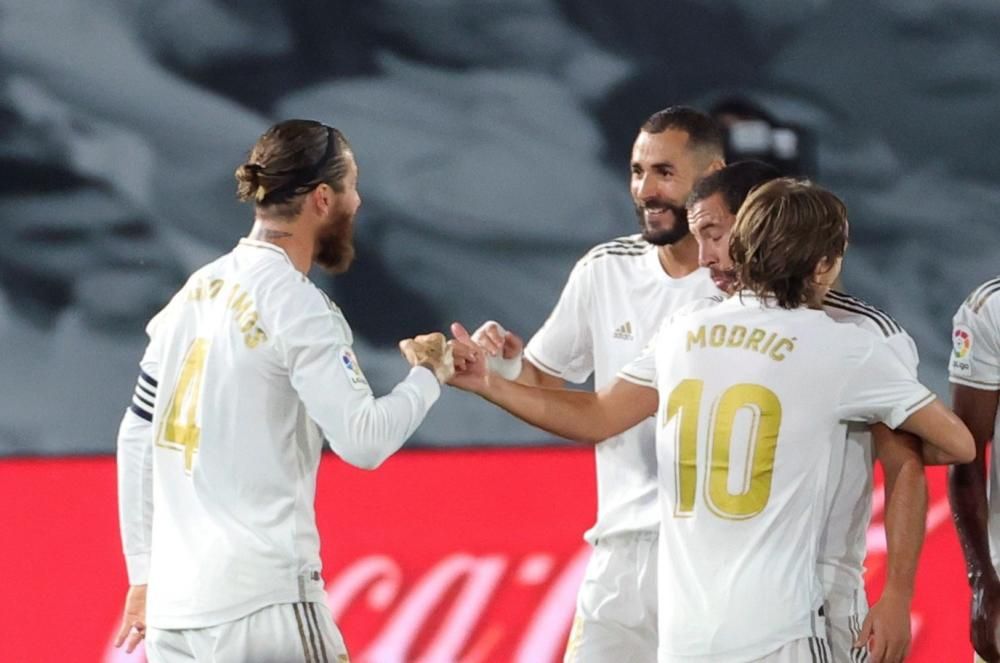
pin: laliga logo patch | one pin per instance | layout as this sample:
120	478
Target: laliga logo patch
962	339
351	368
961	355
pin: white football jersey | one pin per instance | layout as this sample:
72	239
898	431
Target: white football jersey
975	362
616	297
247	368
754	401
843	544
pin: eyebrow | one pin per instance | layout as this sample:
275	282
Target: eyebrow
706	224
658	164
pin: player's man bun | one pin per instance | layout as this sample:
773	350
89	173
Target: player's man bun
290	159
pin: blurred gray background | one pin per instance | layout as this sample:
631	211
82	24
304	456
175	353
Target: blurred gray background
493	142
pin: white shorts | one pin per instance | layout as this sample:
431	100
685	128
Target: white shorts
281	633
844	617
616	607
804	650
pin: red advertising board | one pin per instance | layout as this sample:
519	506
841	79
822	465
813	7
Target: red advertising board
470	556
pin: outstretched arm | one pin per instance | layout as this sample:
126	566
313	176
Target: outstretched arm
576	415
969	504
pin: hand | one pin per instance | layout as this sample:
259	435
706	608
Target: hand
471	371
503	349
432	351
986	619
497	341
133	628
886	629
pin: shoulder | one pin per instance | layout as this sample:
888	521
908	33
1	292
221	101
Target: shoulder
846	308
626	248
985	296
699	305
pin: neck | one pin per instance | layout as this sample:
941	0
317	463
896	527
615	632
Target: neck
288	235
680	258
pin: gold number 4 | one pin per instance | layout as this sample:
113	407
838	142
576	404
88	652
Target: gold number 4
764	407
180	429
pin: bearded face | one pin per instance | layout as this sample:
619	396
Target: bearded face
335	241
661	222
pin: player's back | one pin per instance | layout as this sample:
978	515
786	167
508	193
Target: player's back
235	455
747	426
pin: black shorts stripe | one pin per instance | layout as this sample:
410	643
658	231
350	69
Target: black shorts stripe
849	303
142	414
307	652
319	632
812	651
860	654
309	629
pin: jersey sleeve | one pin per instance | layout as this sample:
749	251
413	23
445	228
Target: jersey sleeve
314	342
135	462
563	347
905	349
975	353
642	369
882	388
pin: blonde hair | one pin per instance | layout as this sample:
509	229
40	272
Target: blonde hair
783	230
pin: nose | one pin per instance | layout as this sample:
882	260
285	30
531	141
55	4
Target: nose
645	188
705	257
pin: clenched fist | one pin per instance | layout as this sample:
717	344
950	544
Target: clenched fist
432	351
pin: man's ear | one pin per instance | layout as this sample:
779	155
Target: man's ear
716	164
322	198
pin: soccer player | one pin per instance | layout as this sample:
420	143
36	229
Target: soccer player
614	299
974	371
751	397
248	368
712	208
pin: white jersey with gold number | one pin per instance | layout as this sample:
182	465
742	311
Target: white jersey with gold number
975	362
753	405
248	367
615	299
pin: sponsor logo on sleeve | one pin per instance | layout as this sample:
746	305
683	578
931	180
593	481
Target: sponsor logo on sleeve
352	369
961	353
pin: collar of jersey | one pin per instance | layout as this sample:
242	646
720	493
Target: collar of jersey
741	295
257	244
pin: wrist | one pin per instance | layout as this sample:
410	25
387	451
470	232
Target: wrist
509	369
898	591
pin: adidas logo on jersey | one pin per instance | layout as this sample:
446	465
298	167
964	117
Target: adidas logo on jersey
624	332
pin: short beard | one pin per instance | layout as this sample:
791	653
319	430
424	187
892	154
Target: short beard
670	235
335	245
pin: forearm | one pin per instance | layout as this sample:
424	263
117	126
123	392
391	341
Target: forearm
941	428
905	522
574	415
135	494
970	509
365	430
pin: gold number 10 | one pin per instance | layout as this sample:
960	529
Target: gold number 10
180	427
765	408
